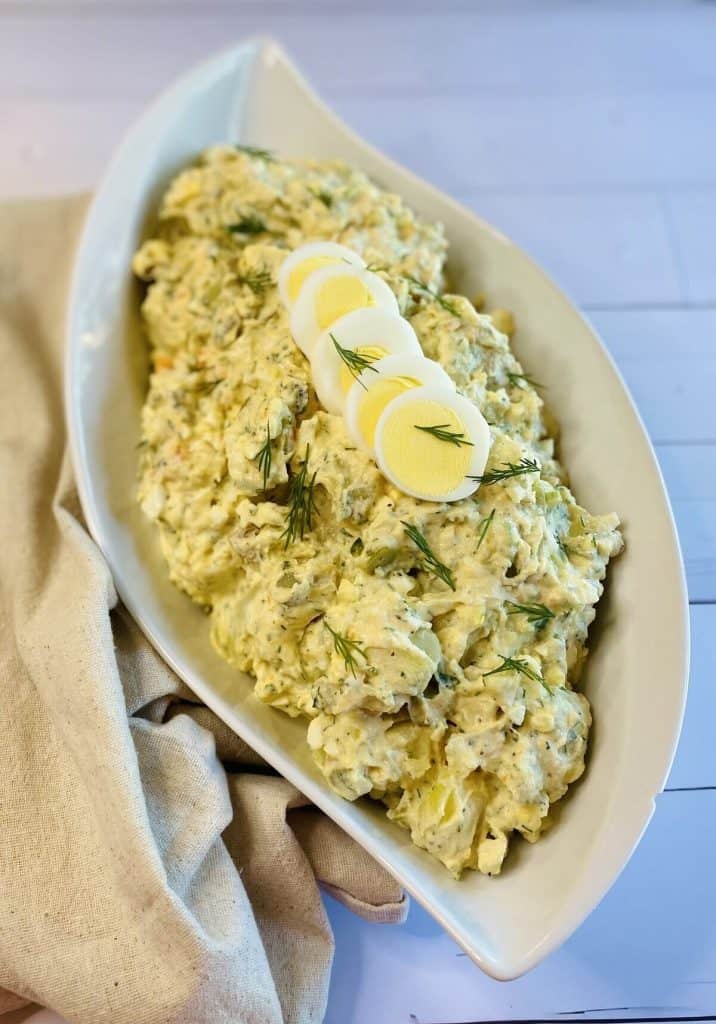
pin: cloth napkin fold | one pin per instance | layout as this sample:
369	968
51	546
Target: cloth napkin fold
152	868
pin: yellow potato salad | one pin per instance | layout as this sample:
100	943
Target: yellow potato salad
434	647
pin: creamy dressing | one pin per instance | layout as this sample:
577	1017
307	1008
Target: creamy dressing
441	680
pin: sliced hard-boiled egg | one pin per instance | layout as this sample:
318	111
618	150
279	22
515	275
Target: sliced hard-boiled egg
432	443
382	382
329	294
305	260
351	345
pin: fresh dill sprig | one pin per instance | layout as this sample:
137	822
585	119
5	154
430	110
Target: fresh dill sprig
484	527
378	268
301	503
520	379
355	362
515	665
566	551
538	615
510	469
265	457
441	432
248	225
431	563
258	281
325	197
255	151
346	648
207	386
417	283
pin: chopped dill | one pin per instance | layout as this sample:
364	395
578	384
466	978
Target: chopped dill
519	380
564	548
538	615
441	432
355	362
485	525
248	225
257	281
255	151
301	503
346	648
510	469
515	665
431	563
325	197
265	457
207	386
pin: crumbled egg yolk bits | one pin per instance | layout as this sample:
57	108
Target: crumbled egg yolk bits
305	260
378	386
432	443
331	292
351	345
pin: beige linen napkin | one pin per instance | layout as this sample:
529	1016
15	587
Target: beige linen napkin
152	868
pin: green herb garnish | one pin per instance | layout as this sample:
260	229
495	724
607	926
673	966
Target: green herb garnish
355	362
260	154
417	283
301	503
258	282
265	457
248	225
346	648
566	551
431	563
207	386
520	379
515	665
538	615
441	432
484	527
510	469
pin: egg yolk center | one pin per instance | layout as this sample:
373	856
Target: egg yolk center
371	352
340	295
419	460
375	400
299	273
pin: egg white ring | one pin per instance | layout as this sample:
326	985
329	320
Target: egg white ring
427	371
370	325
307	252
304	323
476	428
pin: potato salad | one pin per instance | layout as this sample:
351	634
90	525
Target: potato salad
355	477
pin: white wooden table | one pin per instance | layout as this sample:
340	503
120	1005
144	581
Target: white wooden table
586	132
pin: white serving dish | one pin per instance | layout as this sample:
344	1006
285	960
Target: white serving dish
636	678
